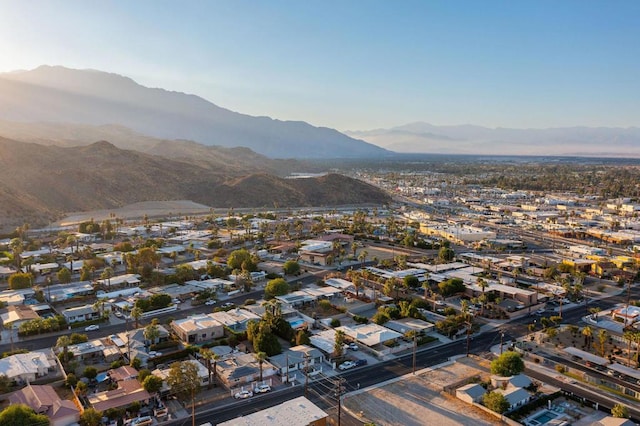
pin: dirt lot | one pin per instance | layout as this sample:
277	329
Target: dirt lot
418	400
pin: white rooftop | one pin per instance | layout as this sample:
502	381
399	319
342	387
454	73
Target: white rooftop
297	411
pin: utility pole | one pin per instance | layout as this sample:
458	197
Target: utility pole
306	375
338	392
287	361
501	341
468	324
414	350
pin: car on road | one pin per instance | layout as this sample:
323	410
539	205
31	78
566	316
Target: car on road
243	394
228	305
262	389
92	327
347	365
210	302
142	421
353	346
360	362
539	311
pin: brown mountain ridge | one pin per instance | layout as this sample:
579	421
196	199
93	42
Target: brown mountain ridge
39	183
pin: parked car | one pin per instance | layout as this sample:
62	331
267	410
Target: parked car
243	394
228	305
142	421
347	365
154	354
353	346
210	302
177	301
262	389
92	327
118	314
360	362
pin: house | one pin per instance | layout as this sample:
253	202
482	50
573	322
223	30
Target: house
470	393
15	315
614	421
410	324
124	372
370	335
25	368
197	329
296	358
95	351
203	375
518	381
242	368
128	392
44	400
297	411
515	396
235	319
132	344
80	314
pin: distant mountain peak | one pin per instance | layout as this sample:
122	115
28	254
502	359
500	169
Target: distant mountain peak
91	97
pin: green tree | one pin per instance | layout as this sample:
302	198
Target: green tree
237	259
64	276
63	342
207	354
21	415
152	332
184	382
495	401
411	281
152	384
91	417
291	267
620	411
587	332
603	336
446	254
276	287
508	364
20	280
136	314
338	345
90	372
302	338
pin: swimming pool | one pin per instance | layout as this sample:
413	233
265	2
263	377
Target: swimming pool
542	418
297	323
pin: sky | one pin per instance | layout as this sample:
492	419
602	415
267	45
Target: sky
355	64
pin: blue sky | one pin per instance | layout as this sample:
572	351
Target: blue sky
355	64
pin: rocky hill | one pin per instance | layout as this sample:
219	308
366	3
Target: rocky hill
39	183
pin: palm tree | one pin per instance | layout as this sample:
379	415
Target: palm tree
483	285
587	332
152	332
362	257
260	357
63	342
107	273
629	336
207	354
602	339
136	314
357	283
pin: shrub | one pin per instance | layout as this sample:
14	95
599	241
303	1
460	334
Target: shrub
335	322
360	319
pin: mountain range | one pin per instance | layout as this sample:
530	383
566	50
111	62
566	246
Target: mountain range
40	183
87	97
421	137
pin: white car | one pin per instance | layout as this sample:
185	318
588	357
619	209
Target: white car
154	354
228	305
92	327
243	394
210	302
347	365
262	389
118	314
353	346
176	301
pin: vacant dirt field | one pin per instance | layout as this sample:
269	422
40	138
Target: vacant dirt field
418	400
